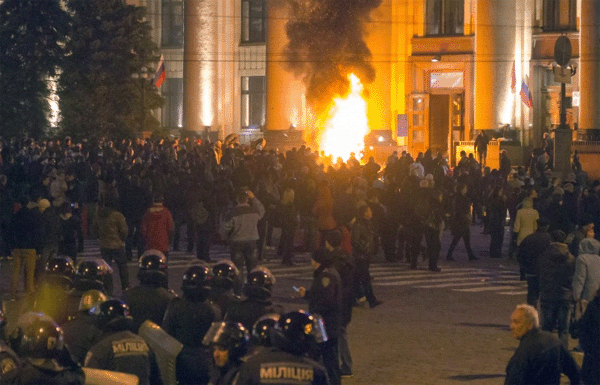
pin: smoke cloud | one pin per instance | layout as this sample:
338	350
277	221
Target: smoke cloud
326	44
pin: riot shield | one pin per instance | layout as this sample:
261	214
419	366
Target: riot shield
165	348
107	377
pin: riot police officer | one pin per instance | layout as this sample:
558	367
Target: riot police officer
39	342
150	299
187	319
295	334
258	299
89	275
119	349
9	362
93	274
54	296
222	294
260	338
325	297
229	342
82	332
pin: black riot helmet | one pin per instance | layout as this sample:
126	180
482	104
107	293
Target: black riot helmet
91	298
225	273
297	332
196	282
229	335
261	331
259	284
89	275
113	315
153	268
60	270
37	336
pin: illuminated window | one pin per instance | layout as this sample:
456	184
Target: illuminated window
253	101
253	21
560	15
172	23
445	17
172	111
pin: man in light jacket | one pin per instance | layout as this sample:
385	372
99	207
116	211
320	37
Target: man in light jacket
240	228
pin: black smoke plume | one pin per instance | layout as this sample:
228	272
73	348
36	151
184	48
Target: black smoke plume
326	43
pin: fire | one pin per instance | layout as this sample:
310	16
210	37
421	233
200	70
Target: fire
346	124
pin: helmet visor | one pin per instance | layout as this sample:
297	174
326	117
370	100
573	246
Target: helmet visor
215	334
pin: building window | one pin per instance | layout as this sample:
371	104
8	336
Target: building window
445	17
560	15
254	99
253	21
172	23
172	111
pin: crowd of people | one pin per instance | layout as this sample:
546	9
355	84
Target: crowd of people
135	197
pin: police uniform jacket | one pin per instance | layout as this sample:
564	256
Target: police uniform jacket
274	366
60	371
226	374
147	302
539	360
81	334
188	321
325	298
124	352
249	310
223	298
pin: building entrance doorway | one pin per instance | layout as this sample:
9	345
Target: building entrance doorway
439	122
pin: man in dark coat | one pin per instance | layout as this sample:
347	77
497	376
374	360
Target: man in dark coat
557	267
530	251
25	237
344	265
480	147
541	357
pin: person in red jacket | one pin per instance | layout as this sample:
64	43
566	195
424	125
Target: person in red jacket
157	226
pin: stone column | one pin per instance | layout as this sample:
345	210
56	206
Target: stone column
589	65
494	55
285	104
200	64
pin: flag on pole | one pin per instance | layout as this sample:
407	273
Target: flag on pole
161	73
513	82
526	95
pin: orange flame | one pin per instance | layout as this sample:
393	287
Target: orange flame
347	123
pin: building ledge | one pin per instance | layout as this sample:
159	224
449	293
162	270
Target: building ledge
443	45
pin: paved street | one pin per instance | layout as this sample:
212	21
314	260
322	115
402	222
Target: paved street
449	327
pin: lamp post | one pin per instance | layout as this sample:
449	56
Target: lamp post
143	78
563	136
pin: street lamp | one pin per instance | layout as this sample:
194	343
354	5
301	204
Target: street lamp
143	78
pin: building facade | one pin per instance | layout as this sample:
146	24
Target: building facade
214	55
445	69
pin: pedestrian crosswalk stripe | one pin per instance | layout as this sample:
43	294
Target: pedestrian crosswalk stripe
456	284
487	288
444	274
412	282
520	292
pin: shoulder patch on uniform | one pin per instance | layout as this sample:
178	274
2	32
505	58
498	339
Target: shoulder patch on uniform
326	281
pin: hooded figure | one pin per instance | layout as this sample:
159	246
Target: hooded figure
586	280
